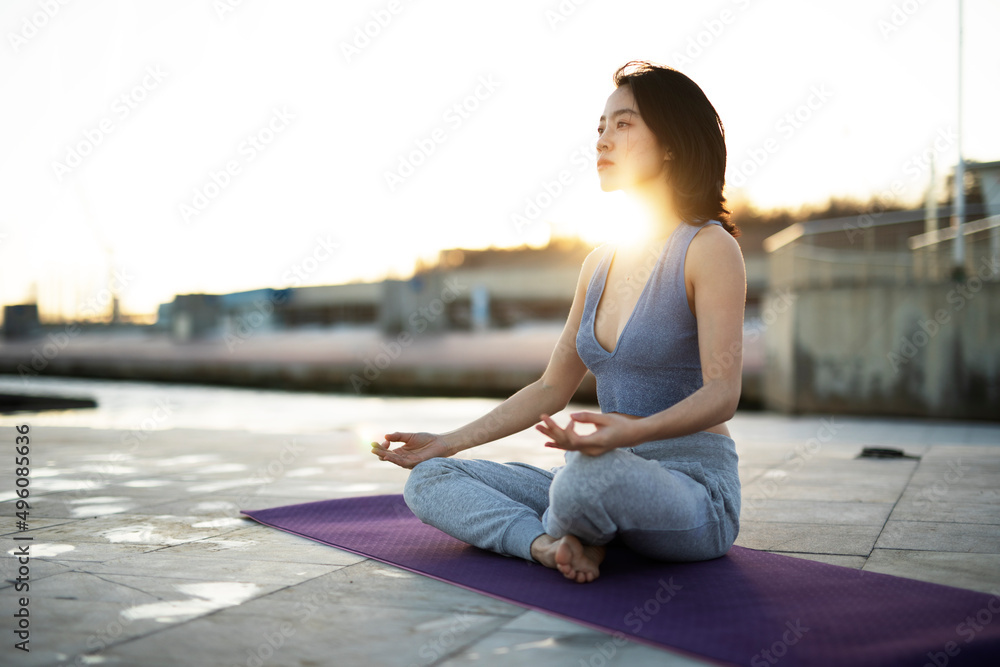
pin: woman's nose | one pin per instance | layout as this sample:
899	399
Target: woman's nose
602	144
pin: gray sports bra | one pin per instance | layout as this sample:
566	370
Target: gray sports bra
656	361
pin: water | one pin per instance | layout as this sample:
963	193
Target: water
126	405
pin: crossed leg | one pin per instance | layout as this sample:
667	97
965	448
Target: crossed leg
563	519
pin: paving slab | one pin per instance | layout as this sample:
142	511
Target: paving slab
327	635
260	543
551	630
160	563
39	569
375	584
822	491
856	562
929	507
940	536
975	571
219	505
579	648
91	623
70	552
162	530
84	586
9	528
955	493
757	507
848	540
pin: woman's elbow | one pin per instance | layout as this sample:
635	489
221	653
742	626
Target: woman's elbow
734	399
729	393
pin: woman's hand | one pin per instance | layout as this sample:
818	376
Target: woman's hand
417	447
614	430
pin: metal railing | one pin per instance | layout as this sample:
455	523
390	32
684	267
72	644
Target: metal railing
933	255
889	248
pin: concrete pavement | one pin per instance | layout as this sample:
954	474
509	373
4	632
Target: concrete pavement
140	556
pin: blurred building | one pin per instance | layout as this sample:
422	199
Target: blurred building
463	290
20	321
869	314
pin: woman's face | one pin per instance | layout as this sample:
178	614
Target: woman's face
628	153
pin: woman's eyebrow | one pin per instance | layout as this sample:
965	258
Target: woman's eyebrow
620	112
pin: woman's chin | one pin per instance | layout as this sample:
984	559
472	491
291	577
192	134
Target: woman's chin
609	185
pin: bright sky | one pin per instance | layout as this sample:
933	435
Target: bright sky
172	147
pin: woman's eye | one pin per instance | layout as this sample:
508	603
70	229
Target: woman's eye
621	122
599	130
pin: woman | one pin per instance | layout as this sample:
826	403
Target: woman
660	325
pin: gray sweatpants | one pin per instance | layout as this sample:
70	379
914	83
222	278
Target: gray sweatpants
675	499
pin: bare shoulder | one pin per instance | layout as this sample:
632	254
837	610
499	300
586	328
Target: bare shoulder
716	250
591	261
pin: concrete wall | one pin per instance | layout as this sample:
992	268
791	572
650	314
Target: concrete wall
922	350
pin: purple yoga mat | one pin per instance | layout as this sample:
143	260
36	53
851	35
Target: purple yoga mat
746	608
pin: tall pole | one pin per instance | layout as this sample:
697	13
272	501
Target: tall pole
930	202
958	263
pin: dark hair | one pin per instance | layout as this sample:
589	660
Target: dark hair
685	123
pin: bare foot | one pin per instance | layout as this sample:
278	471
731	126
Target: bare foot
575	560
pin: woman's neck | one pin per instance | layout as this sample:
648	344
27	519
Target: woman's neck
656	203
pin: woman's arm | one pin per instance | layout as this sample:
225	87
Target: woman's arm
548	394
718	277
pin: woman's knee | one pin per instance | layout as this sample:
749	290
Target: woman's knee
579	489
420	474
587	478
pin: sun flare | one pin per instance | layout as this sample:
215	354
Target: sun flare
605	218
